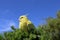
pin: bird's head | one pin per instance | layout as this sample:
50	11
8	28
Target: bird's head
23	18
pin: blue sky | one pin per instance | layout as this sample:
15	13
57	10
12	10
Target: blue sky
37	11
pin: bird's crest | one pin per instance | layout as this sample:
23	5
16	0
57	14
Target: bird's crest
25	15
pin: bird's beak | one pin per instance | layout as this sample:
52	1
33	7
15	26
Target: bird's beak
19	20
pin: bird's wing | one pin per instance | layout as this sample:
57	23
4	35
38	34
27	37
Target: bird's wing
30	25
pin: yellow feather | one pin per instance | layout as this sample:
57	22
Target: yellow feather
24	23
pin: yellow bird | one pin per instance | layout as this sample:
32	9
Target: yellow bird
25	24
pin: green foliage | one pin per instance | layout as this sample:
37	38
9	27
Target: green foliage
48	31
12	27
58	14
1	37
18	34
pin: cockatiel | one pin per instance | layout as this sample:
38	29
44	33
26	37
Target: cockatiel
25	24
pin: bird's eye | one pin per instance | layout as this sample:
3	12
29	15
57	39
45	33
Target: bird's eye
21	17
